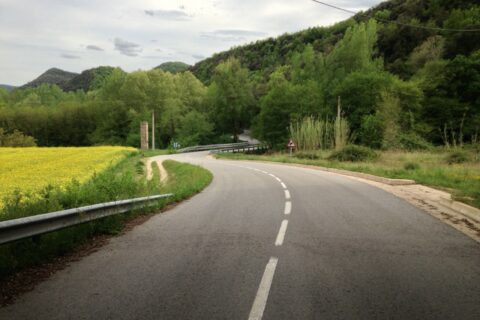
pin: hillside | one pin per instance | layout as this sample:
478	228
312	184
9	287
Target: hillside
396	40
174	67
7	87
88	79
51	76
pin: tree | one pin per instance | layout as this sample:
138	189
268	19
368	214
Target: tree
231	97
194	129
271	125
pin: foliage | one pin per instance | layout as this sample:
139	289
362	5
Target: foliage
457	157
411	141
16	139
306	155
312	134
173	67
371	131
194	129
354	153
411	166
57	118
231	97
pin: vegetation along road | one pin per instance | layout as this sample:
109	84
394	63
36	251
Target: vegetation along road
266	241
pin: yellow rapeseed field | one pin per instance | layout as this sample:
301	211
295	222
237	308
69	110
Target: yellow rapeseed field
31	169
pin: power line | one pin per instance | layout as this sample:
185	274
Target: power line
399	23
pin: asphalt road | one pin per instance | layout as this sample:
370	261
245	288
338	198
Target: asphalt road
266	241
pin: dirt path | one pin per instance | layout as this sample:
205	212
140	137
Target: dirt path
163	172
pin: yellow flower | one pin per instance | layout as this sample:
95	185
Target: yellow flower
31	169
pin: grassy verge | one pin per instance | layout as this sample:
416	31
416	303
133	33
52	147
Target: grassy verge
156	152
428	168
123	181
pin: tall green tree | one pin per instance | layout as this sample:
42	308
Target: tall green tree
231	97
271	125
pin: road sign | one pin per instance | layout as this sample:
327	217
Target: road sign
291	144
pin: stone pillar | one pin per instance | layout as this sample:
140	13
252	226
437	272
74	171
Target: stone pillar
144	135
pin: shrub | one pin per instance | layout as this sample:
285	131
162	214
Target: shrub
354	153
306	155
412	141
371	131
411	166
16	139
457	157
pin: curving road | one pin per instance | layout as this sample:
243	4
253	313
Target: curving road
266	241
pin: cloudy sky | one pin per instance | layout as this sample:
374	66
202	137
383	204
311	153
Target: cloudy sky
75	35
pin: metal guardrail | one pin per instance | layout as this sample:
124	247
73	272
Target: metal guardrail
213	147
245	148
16	229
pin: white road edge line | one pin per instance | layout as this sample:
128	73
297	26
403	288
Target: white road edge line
287	194
260	301
288	207
281	233
272	175
284	186
278	179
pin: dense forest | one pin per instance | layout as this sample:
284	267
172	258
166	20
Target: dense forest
404	73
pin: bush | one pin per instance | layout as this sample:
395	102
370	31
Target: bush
16	139
411	166
371	131
458	157
412	141
354	153
306	155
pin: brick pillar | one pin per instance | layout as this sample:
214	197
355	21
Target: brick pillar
144	135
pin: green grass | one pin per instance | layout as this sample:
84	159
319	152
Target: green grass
428	168
156	152
123	181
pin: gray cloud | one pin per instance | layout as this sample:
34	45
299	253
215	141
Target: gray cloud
198	56
94	48
232	34
127	48
69	56
176	15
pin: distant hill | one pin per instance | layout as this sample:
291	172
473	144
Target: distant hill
87	80
7	87
396	40
51	76
174	67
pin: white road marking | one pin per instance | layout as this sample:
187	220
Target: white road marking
284	186
288	207
260	301
281	233
278	179
271	175
287	194
264	172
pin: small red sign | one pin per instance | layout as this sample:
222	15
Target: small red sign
291	144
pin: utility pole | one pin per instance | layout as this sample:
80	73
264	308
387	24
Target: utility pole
339	107
153	129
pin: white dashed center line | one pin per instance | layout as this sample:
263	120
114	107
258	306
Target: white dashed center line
260	301
288	207
281	233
